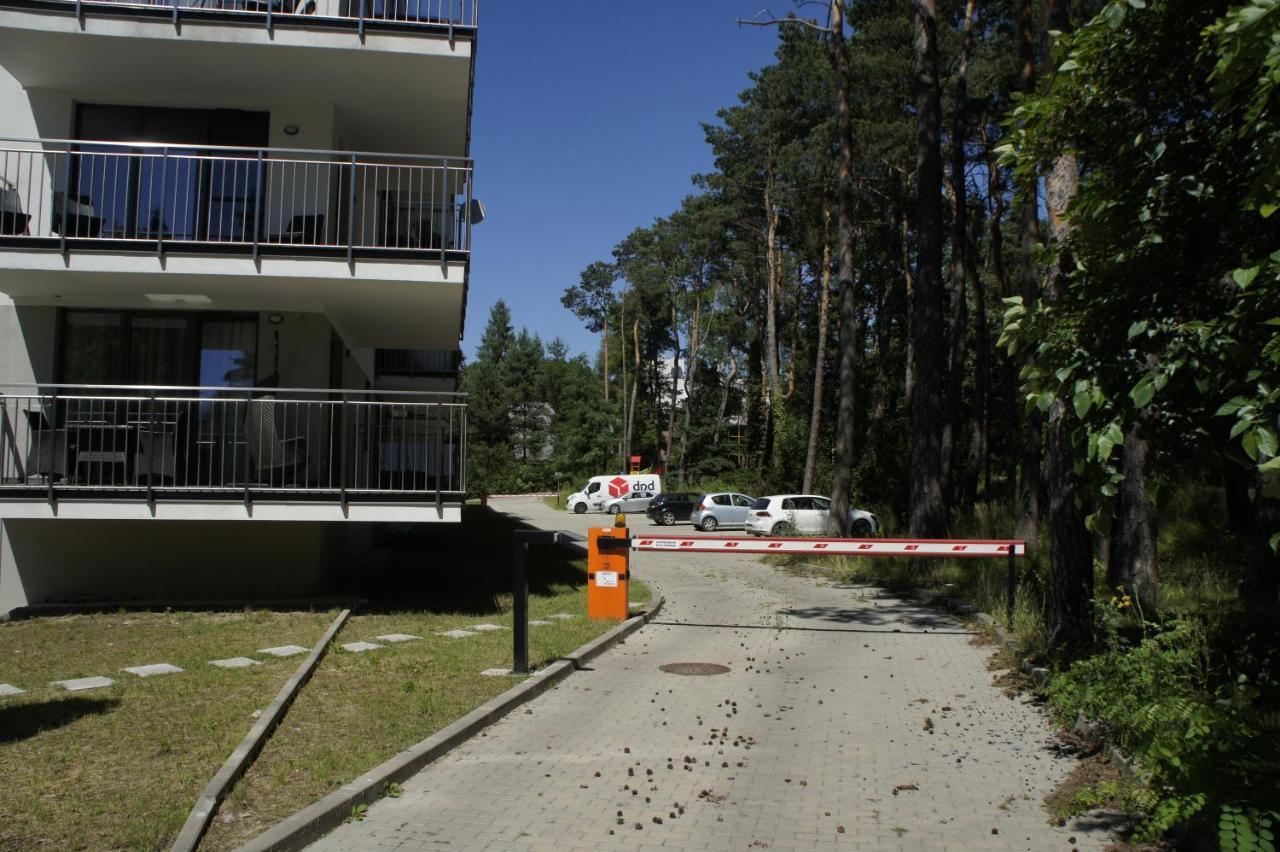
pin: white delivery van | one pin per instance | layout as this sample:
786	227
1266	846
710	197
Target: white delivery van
620	492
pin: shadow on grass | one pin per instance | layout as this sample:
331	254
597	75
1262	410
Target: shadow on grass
21	721
459	567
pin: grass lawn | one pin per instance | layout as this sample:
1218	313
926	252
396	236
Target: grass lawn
361	709
120	767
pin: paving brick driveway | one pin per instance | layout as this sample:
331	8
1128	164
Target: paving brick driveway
837	698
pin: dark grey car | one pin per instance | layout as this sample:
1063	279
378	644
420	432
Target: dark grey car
722	509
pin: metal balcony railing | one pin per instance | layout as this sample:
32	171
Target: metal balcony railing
239	444
79	193
448	16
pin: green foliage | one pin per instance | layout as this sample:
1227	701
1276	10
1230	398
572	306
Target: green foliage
1247	829
1193	722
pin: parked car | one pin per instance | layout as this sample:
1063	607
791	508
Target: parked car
802	514
668	508
630	501
725	509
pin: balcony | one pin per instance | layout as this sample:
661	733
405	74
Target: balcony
434	16
75	194
228	453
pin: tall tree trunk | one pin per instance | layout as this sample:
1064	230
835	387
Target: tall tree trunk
980	412
772	290
1132	561
820	357
1071	552
724	398
995	185
635	386
690	375
845	448
960	262
1029	485
928	330
1262	567
622	394
675	386
886	309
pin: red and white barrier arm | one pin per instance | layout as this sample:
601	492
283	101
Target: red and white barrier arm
938	548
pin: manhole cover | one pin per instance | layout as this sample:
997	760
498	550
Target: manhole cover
695	668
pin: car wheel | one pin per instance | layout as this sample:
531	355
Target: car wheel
668	518
861	528
709	524
783	528
615	509
579	508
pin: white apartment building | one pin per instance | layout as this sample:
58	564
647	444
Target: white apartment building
234	251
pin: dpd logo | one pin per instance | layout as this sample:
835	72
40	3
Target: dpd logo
617	486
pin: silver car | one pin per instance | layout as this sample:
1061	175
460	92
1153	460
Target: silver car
632	501
725	509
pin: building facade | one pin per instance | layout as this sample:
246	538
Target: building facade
235	242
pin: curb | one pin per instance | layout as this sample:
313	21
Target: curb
318	819
234	767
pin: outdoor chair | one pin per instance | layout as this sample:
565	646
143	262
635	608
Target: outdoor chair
13	222
275	460
79	214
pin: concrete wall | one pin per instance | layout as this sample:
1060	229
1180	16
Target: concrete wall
27	335
75	561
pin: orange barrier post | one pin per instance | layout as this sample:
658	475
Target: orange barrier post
608	572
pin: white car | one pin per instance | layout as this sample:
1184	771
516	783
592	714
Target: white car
802	514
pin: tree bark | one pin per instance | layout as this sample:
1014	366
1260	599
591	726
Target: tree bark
724	397
1262	567
772	290
690	376
980	411
820	357
1132	562
635	386
928	330
675	385
960	262
1029	485
845	447
995	184
622	394
887	306
1071	552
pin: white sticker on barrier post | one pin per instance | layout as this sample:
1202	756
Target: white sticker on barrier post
607	579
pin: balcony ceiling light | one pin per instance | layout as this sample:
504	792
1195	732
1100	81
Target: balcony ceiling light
178	299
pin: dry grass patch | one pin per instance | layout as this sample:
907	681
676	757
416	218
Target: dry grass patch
119	768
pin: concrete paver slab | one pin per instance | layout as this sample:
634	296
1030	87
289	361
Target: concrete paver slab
234	663
79	684
8	689
359	647
486	628
563	616
153	669
398	637
283	650
849	719
497	672
537	622
456	634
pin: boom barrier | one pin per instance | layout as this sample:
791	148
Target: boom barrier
941	548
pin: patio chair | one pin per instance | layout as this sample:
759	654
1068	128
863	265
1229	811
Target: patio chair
13	222
275	460
80	216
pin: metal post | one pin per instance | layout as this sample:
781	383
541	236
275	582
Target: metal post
151	451
360	4
1011	584
342	454
520	605
66	202
54	420
164	191
257	207
445	192
351	193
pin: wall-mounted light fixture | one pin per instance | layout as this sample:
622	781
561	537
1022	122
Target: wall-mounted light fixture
275	319
291	130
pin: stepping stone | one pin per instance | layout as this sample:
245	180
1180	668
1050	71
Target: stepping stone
357	647
234	663
563	616
153	669
497	672
487	628
456	634
283	650
538	623
77	684
399	637
8	689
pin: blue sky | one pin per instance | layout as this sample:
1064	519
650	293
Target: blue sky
586	126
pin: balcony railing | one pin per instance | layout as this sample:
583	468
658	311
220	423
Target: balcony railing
448	16
235	444
154	197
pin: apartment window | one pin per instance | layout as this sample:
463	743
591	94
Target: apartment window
158	348
141	193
